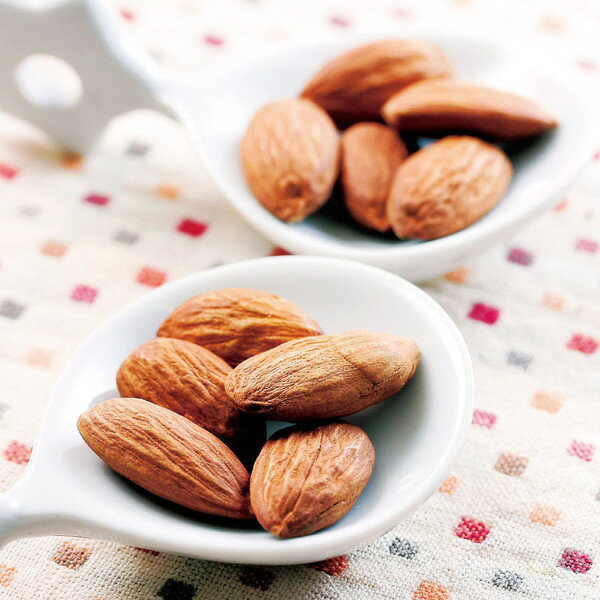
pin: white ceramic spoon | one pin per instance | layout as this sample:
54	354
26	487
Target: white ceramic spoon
217	106
66	489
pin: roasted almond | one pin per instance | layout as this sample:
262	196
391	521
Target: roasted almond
446	187
190	380
307	478
290	156
323	377
237	323
354	86
167	455
446	106
371	154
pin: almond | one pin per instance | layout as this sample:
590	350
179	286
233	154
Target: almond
308	478
354	86
237	323
444	106
190	380
323	377
290	156
446	187
167	455
371	154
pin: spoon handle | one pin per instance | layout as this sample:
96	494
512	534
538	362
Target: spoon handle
114	76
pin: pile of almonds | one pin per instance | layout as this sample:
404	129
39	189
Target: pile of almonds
292	154
190	423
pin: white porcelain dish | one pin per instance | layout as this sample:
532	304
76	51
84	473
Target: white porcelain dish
216	108
66	489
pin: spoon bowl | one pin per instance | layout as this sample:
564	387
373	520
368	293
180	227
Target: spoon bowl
216	106
417	434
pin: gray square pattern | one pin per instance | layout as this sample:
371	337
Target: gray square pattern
10	309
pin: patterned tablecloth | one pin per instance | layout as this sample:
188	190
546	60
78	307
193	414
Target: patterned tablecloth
519	517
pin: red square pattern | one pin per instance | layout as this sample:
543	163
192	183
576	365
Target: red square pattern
472	530
484	313
575	561
332	566
192	227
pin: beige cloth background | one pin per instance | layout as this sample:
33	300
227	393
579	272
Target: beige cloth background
520	515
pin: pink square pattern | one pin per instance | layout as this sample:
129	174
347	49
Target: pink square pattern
575	561
84	293
8	171
97	199
581	450
587	245
520	256
484	418
151	277
17	453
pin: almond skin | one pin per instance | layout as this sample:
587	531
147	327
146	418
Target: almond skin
354	86
167	455
307	478
323	377
237	323
371	154
190	380
446	187
290	156
446	106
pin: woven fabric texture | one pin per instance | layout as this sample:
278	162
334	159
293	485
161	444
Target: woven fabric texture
519	517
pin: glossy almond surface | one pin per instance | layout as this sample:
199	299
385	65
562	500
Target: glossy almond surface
323	377
167	455
354	86
446	106
190	380
307	478
290	157
447	186
371	154
237	323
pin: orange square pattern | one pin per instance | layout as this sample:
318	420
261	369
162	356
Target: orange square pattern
543	400
7	574
449	485
459	275
544	514
428	590
71	556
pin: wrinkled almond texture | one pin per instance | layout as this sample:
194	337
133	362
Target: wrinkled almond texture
167	455
190	380
323	377
308	478
290	156
354	86
446	187
371	154
237	323
445	106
